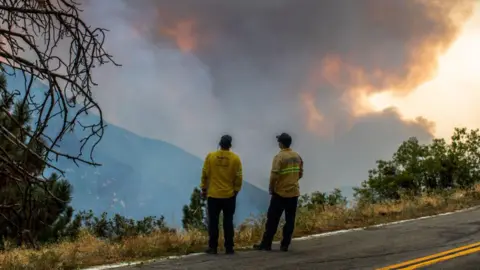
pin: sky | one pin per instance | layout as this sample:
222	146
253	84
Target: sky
349	80
451	98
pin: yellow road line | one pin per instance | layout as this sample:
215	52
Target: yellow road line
441	259
432	257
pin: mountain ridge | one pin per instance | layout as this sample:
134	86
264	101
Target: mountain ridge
139	176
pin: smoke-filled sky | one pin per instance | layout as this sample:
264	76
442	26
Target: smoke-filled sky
324	71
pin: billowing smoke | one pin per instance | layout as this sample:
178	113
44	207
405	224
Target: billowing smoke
193	70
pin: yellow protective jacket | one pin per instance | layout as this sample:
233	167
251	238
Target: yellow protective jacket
287	169
222	174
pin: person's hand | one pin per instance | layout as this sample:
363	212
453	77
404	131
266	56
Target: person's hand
235	193
270	191
204	194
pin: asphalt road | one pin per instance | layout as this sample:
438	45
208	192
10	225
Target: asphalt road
368	249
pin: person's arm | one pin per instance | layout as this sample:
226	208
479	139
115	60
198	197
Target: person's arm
276	166
238	177
301	168
205	174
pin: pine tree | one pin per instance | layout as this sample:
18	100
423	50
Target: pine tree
194	214
30	211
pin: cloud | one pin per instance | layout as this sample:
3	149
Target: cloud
193	70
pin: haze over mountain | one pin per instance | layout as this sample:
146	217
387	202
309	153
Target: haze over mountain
139	176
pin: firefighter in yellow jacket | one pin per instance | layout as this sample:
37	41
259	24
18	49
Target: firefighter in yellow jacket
221	182
287	169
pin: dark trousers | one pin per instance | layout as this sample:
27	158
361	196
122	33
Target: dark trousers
279	204
215	206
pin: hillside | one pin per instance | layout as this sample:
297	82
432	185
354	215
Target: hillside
138	176
141	177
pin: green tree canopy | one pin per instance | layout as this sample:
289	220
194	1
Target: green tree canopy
416	168
30	210
194	213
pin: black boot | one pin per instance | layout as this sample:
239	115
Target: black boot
262	247
229	251
211	251
284	248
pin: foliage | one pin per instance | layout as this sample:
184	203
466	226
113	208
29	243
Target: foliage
416	168
29	211
34	207
118	227
322	199
194	213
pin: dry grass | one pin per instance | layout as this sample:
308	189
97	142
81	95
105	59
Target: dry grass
89	251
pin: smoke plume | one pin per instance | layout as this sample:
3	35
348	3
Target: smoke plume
193	70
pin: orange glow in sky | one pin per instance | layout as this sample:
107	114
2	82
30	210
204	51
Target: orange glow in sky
183	33
452	98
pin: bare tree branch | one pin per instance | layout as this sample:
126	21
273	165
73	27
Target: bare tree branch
32	35
48	45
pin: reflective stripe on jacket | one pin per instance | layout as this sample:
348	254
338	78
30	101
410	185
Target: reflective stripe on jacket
222	174
287	169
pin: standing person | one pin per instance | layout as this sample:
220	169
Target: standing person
287	169
221	182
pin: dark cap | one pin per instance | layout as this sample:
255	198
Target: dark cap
284	139
225	141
